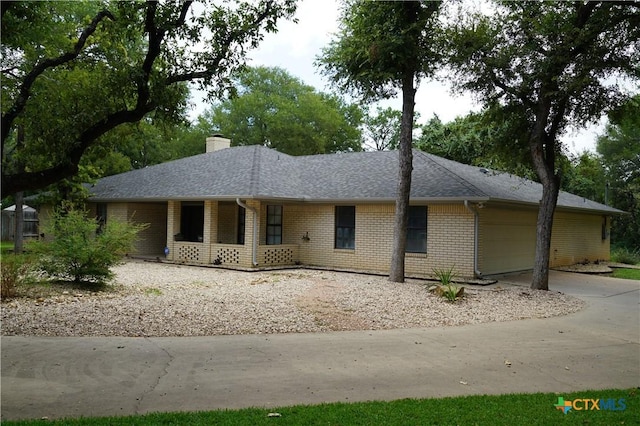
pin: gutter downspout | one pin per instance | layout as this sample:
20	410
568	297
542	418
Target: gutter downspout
254	252
476	220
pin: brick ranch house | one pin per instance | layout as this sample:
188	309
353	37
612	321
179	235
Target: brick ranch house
253	207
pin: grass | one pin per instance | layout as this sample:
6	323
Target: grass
516	409
625	255
6	247
152	291
629	274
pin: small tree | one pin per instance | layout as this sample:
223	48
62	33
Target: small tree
82	251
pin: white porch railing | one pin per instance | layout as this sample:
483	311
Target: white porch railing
278	255
235	254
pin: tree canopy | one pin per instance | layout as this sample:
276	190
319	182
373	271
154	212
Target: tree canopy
547	64
275	109
74	71
381	48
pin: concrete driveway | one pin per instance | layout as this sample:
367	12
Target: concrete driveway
596	348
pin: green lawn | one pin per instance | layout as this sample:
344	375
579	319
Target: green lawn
517	409
630	274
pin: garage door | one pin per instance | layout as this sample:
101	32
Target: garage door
507	240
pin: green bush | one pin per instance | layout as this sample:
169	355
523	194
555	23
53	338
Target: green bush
625	255
80	250
16	269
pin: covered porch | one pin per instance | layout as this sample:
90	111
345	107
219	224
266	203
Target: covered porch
228	233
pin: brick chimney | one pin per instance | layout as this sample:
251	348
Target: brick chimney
217	142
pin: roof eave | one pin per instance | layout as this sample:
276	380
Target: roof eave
310	200
608	210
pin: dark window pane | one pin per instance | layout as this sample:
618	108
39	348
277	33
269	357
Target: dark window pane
417	230
242	218
192	222
274	225
345	234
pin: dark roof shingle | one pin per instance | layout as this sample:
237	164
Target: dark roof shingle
259	172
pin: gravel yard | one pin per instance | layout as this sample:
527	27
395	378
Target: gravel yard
153	299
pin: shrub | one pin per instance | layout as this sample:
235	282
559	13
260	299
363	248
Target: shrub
445	276
625	255
81	251
446	288
16	270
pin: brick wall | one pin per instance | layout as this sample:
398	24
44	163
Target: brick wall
506	243
152	240
450	241
228	222
449	238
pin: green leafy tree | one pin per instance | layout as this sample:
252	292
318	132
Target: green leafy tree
78	249
382	130
133	146
463	140
380	49
73	71
547	64
619	148
190	139
585	176
483	139
274	109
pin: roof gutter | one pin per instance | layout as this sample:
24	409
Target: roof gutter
476	220
254	251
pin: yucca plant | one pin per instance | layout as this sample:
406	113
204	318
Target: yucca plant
447	289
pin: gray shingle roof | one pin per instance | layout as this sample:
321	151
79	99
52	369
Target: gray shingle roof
262	173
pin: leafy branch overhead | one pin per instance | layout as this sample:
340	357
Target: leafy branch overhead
68	82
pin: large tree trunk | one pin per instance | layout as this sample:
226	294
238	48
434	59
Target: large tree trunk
543	156
540	279
405	162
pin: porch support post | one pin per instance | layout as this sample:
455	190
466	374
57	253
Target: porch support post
252	228
173	226
210	232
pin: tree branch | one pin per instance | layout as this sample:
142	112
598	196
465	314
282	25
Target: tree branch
12	183
145	101
24	92
231	37
183	14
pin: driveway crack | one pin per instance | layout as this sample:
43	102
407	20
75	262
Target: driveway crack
154	385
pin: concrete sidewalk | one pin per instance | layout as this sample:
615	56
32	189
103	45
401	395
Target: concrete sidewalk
596	348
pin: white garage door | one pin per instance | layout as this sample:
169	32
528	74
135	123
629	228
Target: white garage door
507	240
